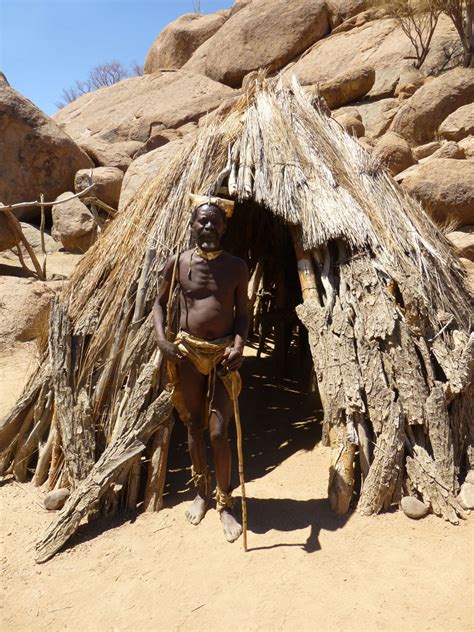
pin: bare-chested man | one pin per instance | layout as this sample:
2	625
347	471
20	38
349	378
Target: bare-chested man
207	352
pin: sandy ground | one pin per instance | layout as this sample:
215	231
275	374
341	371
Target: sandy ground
306	569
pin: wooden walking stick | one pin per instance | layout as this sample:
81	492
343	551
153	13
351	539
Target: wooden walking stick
241	464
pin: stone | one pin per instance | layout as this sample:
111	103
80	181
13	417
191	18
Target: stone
33	235
239	5
55	499
341	10
158	140
107	180
347	86
139	107
24	308
73	224
37	156
409	81
8	234
470	477
467	145
177	42
352	124
413	508
106	154
379	43
264	34
423	151
463	240
376	115
449	150
394	152
445	188
418	120
459	124
466	496
145	168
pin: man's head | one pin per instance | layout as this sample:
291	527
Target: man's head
208	223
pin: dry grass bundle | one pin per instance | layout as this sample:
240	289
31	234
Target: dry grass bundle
388	323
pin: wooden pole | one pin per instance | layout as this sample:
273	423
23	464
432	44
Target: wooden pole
241	464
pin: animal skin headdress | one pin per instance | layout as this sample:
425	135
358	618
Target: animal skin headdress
226	205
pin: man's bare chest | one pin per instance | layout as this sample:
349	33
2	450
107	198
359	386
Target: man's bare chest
204	279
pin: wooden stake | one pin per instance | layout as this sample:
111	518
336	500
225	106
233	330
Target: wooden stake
241	465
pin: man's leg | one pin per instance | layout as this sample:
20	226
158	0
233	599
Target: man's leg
194	385
218	430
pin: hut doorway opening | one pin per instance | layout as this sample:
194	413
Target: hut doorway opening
280	405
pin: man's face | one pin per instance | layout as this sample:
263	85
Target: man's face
209	227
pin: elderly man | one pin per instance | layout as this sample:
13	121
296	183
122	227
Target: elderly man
205	355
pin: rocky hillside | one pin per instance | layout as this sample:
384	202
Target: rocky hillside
419	123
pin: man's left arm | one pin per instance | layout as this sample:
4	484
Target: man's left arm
233	358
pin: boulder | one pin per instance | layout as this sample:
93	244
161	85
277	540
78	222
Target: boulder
449	150
410	80
375	115
160	139
466	496
423	151
56	498
145	168
470	477
139	107
467	145
263	34
394	152
8	234
413	508
24	308
463	241
73	224
341	10
178	41
239	5
108	182
33	235
106	154
459	124
352	124
445	187
418	120
37	156
378	43
347	86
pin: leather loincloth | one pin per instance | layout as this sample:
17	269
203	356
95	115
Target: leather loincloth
206	356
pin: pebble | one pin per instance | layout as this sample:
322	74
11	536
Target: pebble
466	495
56	499
413	508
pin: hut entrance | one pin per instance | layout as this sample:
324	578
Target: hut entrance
280	406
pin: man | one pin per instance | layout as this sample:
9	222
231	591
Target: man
204	358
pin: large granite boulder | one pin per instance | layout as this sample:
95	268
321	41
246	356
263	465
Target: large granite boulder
107	180
348	86
445	187
263	34
36	155
459	124
73	224
375	115
178	41
394	152
8	234
341	10
419	119
146	167
378	43
137	108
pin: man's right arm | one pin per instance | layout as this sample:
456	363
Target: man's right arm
160	312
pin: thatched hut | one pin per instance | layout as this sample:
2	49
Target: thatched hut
381	296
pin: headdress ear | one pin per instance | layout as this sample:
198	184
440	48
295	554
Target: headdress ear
226	205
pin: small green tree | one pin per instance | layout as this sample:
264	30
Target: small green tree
417	19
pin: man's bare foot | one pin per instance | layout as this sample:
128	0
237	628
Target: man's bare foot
232	529
197	511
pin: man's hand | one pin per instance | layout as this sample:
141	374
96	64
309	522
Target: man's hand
232	359
170	351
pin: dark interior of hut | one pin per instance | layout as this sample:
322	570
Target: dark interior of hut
280	406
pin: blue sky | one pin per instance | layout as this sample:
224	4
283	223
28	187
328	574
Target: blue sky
45	45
